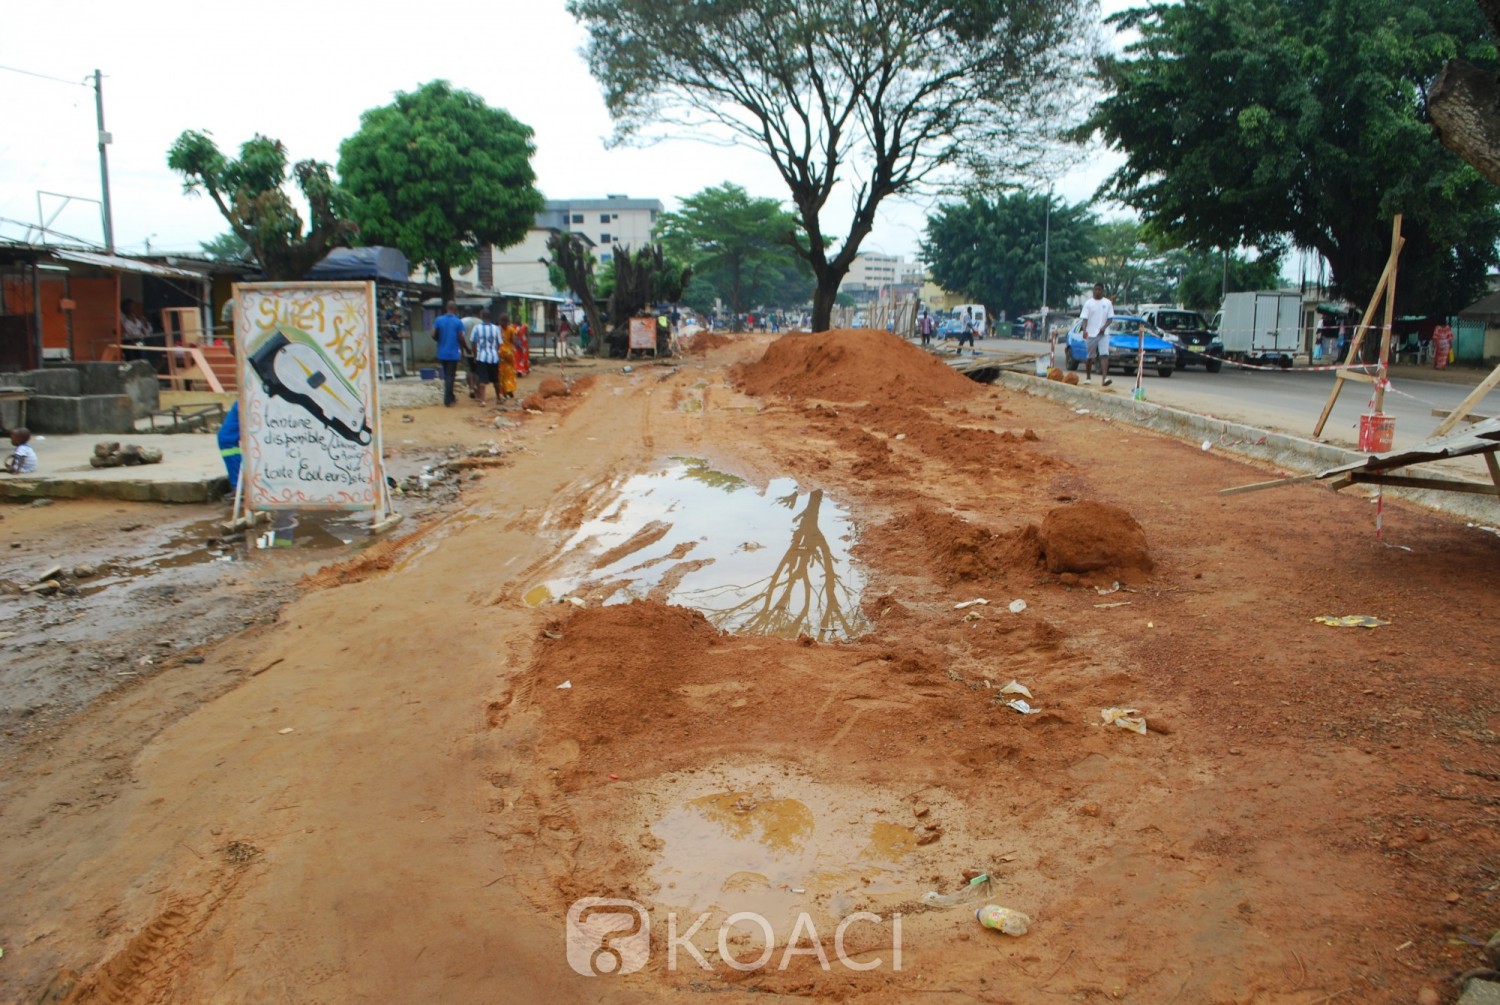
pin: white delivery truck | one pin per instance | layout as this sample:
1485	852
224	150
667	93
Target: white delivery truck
976	314
1261	325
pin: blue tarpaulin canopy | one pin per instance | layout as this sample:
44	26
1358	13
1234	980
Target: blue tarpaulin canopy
383	264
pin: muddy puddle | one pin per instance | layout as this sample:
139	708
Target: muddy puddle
768	840
756	561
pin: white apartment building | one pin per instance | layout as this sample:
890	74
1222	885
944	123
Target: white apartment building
615	219
875	276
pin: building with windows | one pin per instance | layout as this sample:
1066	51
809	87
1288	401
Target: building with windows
615	219
876	276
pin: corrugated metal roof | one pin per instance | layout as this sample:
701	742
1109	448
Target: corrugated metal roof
118	264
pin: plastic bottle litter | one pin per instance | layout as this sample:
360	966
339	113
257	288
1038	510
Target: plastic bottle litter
1003	919
977	887
1017	606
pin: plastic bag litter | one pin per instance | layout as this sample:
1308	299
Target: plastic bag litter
1350	621
970	603
1022	706
1125	718
1017	606
977	889
565	685
1105	591
1015	688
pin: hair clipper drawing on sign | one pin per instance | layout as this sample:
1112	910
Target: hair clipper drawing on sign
292	366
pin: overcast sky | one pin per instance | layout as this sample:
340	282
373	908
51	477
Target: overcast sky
302	73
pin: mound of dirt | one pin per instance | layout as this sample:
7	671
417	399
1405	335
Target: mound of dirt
962	552
853	365
549	388
1093	537
702	342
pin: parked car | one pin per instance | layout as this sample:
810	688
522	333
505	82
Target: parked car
950	328
1126	332
1196	342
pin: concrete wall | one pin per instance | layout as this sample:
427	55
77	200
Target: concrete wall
88	397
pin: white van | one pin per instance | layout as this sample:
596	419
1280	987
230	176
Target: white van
964	312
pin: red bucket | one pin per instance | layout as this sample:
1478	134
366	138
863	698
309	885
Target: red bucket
1376	433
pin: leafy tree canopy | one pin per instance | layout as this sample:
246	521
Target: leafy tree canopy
886	96
250	193
227	247
992	249
437	173
739	248
1245	122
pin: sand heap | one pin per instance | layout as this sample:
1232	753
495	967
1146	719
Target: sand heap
703	341
549	388
853	365
1093	537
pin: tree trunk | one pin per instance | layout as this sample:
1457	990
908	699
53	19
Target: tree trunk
445	277
1464	104
824	298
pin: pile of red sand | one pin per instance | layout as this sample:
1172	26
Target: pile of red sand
703	341
1093	537
853	365
551	387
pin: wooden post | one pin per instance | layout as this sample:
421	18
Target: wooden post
1467	405
1386	280
1390	317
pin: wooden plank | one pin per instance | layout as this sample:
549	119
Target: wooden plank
1471	417
1467	405
1276	483
1356	375
1409	482
1390	318
1493	465
1359	333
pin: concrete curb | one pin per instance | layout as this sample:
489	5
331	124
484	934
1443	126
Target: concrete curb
1280	449
131	489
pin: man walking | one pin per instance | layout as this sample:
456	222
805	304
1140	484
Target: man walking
925	327
486	344
1097	311
448	329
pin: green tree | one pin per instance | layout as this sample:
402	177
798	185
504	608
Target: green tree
437	173
227	247
738	249
992	250
1200	278
250	193
1248	122
886	96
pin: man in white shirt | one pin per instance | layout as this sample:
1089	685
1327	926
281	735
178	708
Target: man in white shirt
1097	311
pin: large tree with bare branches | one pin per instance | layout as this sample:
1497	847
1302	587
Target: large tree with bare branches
883	97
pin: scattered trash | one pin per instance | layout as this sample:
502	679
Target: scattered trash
1117	603
554	636
1017	606
1002	919
1105	591
1015	688
575	601
970	603
1125	718
285	731
973	616
627	369
1350	621
1151	624
1080	411
1022	706
614	778
977	887
900	436
799	889
1139	394
1483	527
565	685
1206	445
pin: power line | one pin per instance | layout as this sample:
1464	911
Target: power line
33	73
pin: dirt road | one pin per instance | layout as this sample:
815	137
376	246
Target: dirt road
387	794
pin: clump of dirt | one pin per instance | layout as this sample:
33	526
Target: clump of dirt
1071	378
958	551
1093	536
549	388
377	558
702	342
852	365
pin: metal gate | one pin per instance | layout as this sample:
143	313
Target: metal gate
1468	341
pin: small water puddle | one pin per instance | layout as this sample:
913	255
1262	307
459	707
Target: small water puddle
772	842
755	562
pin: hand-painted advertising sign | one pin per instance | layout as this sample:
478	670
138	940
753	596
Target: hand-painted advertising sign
309	419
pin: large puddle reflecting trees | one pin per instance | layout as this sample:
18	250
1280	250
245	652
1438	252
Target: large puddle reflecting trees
772	562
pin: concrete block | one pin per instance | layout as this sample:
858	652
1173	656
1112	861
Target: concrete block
1480	993
99	413
60	381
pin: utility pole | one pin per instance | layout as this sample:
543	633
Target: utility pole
104	140
1046	260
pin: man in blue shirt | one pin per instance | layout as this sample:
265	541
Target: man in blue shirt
448	329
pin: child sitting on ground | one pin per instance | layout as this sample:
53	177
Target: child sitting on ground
23	461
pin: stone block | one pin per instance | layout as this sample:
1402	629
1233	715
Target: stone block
98	413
